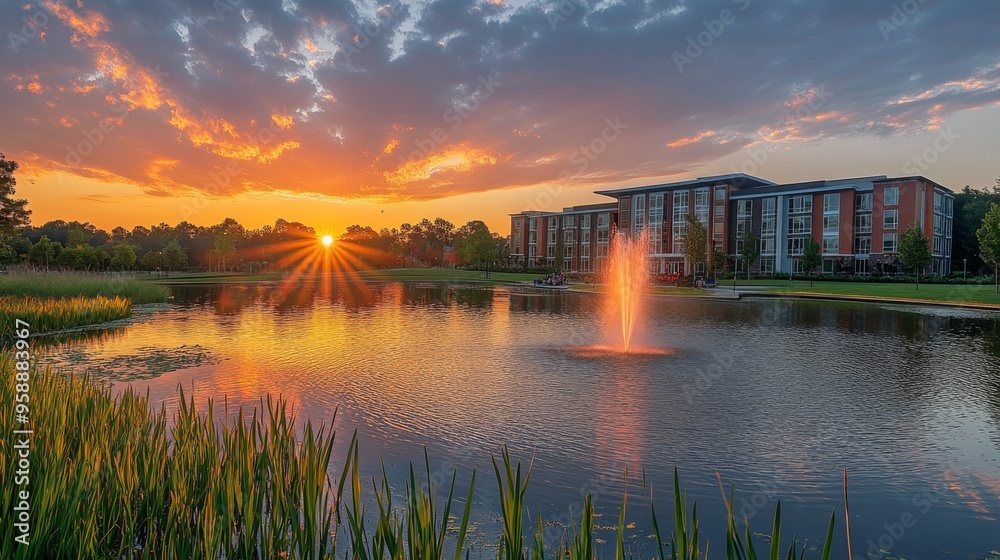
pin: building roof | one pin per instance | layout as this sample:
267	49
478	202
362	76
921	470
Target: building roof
858	183
741	180
916	178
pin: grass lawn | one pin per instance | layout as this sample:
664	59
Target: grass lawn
954	293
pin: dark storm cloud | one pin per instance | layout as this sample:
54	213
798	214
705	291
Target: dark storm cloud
451	96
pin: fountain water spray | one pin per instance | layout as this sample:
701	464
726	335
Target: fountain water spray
628	280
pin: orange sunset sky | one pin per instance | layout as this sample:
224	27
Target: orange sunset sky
341	112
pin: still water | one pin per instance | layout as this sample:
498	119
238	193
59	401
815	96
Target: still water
777	397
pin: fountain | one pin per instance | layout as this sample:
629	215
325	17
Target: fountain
628	280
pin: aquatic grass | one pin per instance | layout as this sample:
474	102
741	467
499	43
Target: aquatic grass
36	283
512	489
52	314
109	480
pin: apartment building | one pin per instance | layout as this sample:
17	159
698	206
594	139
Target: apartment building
575	239
857	222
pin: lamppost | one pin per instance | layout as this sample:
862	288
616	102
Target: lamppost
964	268
159	262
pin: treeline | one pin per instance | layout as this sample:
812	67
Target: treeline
971	207
229	246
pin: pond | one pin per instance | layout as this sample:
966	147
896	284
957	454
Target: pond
776	396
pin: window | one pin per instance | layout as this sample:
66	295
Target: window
938	225
603	220
517	225
552	237
623	204
769	217
585	237
551	253
863	223
720	193
891	219
656	223
831	245
517	238
639	205
831	225
800	204
567	221
767	266
553	223
938	203
532	224
830	266
602	236
531	252
797	246
568	252
602	250
701	202
862	245
831	203
889	243
863	202
568	237
767	246
585	221
890	196
679	224
937	246
800	225
744	211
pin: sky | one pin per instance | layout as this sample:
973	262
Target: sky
336	112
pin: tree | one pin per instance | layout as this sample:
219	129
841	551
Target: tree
150	260
695	242
812	258
223	246
43	253
970	207
475	243
718	261
13	214
914	251
751	252
989	241
122	256
174	256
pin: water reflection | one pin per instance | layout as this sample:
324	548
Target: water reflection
774	394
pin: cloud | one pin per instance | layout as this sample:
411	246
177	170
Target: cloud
434	99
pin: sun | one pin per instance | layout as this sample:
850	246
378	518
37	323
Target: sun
327	240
